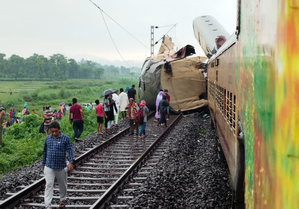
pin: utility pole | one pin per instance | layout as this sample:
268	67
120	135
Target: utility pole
152	40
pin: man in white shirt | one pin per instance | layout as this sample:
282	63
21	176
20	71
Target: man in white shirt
123	102
116	99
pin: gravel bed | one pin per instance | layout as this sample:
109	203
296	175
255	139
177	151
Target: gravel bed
12	180
190	174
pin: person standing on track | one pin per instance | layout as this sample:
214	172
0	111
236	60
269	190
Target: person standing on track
133	108
158	99
162	110
107	106
100	112
77	120
54	163
168	100
132	93
123	101
145	112
115	97
10	92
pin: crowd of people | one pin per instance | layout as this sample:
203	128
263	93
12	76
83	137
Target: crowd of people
57	144
14	118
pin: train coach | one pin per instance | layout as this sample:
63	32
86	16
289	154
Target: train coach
253	97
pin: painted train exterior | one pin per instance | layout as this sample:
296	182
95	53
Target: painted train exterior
254	76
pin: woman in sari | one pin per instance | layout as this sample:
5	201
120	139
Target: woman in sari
158	99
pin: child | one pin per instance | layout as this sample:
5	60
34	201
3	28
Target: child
100	112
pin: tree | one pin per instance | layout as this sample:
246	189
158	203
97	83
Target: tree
15	63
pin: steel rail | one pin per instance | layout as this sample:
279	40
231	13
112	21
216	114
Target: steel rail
105	198
26	192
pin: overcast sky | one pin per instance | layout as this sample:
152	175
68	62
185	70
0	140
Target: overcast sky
76	29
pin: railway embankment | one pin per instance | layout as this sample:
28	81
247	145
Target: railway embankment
190	174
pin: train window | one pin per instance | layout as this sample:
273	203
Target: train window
212	64
143	85
230	109
224	103
216	62
219	98
139	83
234	112
227	106
217	75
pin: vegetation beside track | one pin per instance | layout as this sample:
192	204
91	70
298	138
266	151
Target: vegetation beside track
23	144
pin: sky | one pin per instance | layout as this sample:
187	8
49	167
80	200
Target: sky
76	29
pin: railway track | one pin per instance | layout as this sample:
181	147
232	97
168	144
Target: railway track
106	175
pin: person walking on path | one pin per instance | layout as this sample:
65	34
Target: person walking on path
54	163
10	92
112	109
64	109
132	93
168	100
47	120
76	117
123	102
162	110
100	113
145	112
158	99
61	108
25	105
107	107
115	97
133	108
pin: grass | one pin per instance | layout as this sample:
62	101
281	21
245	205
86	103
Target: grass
40	93
201	131
22	143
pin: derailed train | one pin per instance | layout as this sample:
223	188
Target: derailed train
176	72
253	91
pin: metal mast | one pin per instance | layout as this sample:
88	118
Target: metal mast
152	40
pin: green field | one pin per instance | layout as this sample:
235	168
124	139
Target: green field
22	144
40	93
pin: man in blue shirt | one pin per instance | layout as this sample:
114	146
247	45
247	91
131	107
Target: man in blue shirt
54	163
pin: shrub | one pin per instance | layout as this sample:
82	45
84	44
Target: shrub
27	98
34	96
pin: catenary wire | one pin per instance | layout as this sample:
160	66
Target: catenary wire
119	24
112	37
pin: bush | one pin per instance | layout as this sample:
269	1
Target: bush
27	98
10	103
53	96
34	96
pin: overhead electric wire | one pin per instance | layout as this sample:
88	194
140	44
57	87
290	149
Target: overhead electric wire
112	37
166	33
118	24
